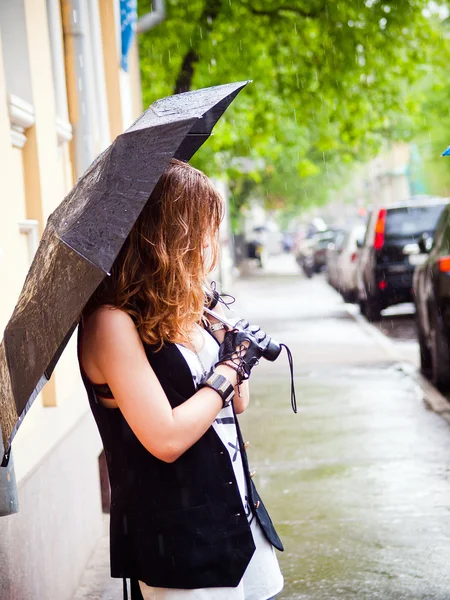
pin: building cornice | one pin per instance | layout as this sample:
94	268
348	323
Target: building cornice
21	117
63	130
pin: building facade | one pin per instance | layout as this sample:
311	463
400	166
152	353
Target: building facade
64	97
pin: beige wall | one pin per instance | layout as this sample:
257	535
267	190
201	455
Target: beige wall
108	12
44	548
135	80
13	245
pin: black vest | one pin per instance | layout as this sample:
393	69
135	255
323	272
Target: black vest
178	525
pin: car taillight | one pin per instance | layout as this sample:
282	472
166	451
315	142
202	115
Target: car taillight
382	285
379	229
444	264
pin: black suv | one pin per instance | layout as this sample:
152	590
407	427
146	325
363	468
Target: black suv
432	299
390	252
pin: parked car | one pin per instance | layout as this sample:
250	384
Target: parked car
310	253
321	242
303	254
332	258
390	253
432	299
342	262
305	257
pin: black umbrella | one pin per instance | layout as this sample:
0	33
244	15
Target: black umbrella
84	235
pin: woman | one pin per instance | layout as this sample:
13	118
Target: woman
186	520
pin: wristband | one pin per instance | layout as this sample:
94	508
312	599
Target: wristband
216	327
222	386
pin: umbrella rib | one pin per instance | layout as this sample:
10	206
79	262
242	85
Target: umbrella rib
84	257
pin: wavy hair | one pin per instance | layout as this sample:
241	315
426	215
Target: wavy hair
158	278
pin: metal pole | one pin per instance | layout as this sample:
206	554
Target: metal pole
74	28
150	20
9	501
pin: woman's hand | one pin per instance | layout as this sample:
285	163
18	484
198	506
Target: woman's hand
241	348
219	334
242	393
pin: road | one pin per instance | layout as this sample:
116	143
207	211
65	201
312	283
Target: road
358	482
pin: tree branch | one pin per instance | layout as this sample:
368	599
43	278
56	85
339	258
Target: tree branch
306	14
210	12
186	73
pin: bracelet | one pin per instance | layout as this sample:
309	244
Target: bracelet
222	386
216	327
242	375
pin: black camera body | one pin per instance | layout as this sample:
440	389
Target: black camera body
270	349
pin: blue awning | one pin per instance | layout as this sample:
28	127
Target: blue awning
128	17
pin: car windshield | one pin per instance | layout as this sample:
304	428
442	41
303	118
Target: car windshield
412	220
325	238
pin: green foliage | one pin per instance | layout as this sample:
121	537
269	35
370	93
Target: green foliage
331	80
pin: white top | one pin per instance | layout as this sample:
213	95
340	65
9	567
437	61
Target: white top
262	578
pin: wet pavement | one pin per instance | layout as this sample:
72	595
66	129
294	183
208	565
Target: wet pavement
358	482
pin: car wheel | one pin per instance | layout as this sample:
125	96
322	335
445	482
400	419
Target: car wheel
307	270
348	296
425	352
440	354
372	310
362	307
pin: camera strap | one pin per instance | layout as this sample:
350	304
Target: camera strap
213	297
291	368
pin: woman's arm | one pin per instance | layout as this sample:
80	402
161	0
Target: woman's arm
242	394
120	357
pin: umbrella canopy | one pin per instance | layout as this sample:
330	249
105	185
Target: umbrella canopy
85	234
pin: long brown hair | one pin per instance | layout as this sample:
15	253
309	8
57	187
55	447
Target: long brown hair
159	275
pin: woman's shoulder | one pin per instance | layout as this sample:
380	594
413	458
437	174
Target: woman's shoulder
108	320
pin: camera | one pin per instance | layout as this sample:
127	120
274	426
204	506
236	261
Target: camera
270	349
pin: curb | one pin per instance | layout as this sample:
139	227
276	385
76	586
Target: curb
431	396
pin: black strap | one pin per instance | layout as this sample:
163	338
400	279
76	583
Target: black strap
135	590
103	390
225	299
291	368
125	589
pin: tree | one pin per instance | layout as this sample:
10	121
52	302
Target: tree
331	80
